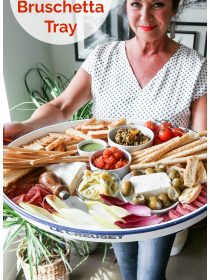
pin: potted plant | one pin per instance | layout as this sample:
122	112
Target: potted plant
51	86
42	255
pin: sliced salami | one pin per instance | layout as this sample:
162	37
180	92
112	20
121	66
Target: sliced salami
165	217
189	207
203	193
197	203
202	199
181	210
173	214
204	188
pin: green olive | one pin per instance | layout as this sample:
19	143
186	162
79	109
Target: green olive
139	199
127	188
177	182
160	168
154	203
164	199
173	193
149	171
173	174
136	173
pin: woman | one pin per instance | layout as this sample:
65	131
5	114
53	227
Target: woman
147	77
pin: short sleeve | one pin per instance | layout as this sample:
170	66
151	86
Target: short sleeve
201	83
90	62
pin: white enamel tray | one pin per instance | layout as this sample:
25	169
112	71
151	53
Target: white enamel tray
122	235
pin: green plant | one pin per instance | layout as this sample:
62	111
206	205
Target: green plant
38	246
50	86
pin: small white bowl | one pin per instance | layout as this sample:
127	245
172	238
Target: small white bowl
121	172
146	131
96	172
95	141
130	198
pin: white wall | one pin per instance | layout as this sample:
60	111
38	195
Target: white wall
63	59
21	52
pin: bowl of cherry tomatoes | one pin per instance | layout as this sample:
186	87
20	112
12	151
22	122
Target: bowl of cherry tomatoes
114	160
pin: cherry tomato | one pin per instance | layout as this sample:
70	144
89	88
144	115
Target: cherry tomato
156	140
178	131
151	125
165	134
165	125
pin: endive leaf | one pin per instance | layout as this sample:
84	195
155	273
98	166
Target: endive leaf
56	202
104	223
69	222
37	211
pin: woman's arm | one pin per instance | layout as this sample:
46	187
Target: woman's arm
60	109
199	114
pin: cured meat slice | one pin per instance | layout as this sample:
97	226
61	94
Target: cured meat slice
197	203
189	207
203	193
173	214
202	199
165	217
181	210
35	194
19	190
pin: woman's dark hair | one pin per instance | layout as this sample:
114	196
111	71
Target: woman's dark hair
175	5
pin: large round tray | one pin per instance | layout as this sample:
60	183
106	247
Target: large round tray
122	235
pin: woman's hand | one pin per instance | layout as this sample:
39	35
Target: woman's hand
13	130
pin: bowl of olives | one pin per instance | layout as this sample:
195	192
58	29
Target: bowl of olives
158	203
131	137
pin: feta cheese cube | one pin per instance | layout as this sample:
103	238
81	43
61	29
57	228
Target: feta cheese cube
151	184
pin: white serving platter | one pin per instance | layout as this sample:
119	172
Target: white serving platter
122	235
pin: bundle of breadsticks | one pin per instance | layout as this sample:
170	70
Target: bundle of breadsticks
175	151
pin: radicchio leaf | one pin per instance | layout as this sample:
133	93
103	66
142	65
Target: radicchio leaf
139	210
142	222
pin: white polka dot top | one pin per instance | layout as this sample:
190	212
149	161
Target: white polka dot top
168	95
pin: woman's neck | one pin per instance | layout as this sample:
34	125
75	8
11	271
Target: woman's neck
141	48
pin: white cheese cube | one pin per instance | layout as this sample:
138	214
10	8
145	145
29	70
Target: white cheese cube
151	184
70	173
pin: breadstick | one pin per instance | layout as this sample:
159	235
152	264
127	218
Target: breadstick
166	161
142	153
190	151
178	141
186	147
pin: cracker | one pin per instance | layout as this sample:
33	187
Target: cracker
117	123
86	128
76	134
61	147
201	176
54	144
71	147
191	171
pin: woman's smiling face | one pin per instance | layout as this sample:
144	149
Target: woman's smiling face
150	19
